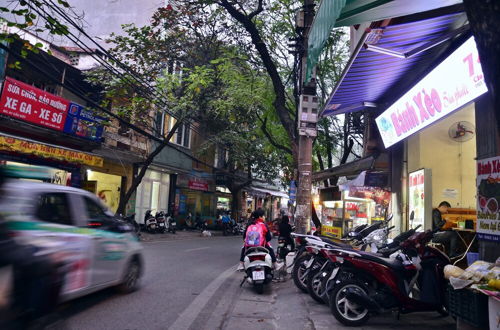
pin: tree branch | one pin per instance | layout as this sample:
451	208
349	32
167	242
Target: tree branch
270	138
257	11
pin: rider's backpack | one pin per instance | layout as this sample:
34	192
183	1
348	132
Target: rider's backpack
255	235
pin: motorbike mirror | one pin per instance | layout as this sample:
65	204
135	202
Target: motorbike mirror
412	215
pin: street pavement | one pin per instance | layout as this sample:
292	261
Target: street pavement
176	272
191	283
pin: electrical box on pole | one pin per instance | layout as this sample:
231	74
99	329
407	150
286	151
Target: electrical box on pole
308	115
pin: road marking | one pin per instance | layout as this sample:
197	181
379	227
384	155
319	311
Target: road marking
197	249
192	311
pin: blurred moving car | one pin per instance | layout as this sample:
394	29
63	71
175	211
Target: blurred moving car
100	250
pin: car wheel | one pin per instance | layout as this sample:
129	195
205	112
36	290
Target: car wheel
130	281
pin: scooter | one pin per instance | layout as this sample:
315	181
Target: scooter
150	222
258	267
171	224
322	282
161	226
412	280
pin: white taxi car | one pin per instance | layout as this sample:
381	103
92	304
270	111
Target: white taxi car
100	250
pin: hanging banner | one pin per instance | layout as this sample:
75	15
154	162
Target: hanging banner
453	83
11	144
488	199
28	103
83	123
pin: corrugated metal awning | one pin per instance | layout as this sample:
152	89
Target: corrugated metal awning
337	13
391	59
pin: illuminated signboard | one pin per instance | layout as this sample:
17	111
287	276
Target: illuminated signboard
453	83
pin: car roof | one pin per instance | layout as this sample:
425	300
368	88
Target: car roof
21	185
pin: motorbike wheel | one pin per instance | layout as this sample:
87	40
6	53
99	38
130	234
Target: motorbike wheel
259	288
345	311
299	274
314	279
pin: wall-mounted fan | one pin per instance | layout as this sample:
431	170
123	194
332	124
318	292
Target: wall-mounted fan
461	131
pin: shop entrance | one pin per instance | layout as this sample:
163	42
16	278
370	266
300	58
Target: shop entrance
106	186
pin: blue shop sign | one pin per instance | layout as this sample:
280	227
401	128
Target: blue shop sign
83	123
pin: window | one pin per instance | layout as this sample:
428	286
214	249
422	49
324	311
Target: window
94	211
183	135
54	207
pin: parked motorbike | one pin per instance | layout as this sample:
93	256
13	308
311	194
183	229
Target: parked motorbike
171	224
150	222
161	226
412	280
258	267
304	262
322	282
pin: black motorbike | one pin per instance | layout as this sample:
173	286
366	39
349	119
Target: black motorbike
161	226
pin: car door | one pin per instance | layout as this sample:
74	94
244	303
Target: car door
59	233
109	248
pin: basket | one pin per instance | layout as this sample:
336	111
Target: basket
468	305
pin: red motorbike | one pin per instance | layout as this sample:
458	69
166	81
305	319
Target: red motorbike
411	280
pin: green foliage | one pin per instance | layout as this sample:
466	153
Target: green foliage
24	15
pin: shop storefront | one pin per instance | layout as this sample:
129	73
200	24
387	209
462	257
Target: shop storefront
353	204
153	193
32	160
195	195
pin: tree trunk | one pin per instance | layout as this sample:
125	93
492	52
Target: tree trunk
484	18
145	165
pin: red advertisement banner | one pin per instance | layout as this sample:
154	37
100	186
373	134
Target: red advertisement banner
28	103
197	185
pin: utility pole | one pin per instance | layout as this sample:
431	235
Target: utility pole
307	121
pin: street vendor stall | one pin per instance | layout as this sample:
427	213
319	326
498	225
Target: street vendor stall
357	202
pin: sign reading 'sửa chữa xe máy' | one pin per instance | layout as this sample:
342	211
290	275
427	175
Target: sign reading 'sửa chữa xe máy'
453	83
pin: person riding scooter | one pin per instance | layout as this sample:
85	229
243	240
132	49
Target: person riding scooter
260	237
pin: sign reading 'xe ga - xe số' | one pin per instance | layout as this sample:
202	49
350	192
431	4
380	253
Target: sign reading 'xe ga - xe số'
27	103
453	83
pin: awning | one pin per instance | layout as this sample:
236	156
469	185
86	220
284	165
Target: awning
336	13
372	162
392	59
10	143
262	191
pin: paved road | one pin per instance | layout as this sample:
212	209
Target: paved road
176	273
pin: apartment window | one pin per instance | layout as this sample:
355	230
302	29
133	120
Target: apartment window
182	136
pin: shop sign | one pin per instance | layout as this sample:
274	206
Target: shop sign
293	191
27	103
488	199
83	123
331	231
42	150
453	83
416	183
197	185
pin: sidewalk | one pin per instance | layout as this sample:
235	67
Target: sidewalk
179	235
283	306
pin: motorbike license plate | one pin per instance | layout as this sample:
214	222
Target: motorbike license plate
258	275
162	225
174	223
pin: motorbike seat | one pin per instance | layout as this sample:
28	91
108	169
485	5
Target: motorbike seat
391	263
256	249
336	244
